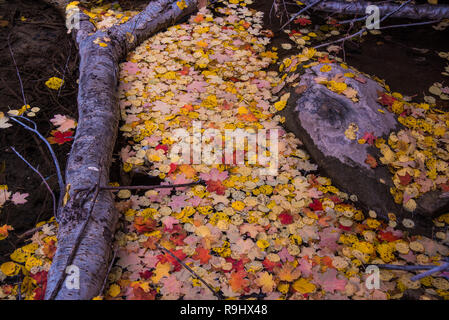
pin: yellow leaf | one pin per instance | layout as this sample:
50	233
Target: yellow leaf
114	290
304	286
162	270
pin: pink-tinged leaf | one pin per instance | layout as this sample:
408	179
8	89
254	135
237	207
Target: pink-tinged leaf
150	260
171	285
329	281
252	229
126	153
285	256
19	198
328	239
221	58
199	86
214	175
4	196
169	222
178	202
127	259
315	193
369	137
130	67
305	267
161	106
63	123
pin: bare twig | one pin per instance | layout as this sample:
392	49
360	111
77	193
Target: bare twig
55	159
109	271
410	24
17	71
299	12
431	269
42	178
168	186
361	31
443	267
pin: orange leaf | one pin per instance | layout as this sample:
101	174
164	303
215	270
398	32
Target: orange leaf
188	171
371	161
238	281
288	273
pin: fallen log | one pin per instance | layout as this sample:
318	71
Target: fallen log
409	11
91	154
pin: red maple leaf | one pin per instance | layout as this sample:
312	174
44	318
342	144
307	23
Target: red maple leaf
39	294
140	294
185	71
285	218
60	137
151	243
387	236
270	265
162	147
202	255
173	167
316	205
369	137
405	179
168	257
144	224
40	277
302	21
147	274
215	186
178	238
385	99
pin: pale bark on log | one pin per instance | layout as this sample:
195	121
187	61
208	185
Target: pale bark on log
93	146
410	11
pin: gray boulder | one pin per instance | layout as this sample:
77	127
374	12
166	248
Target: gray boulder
319	117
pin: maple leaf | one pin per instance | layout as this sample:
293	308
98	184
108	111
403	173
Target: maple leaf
140	294
4	196
288	273
237	281
371	161
19	198
252	229
49	249
4	231
385	99
144	224
202	255
178	202
316	205
198	86
188	171
285	218
302	21
168	257
329	281
171	285
169	222
369	137
265	280
162	270
60	137
405	179
63	123
214	175
216	186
